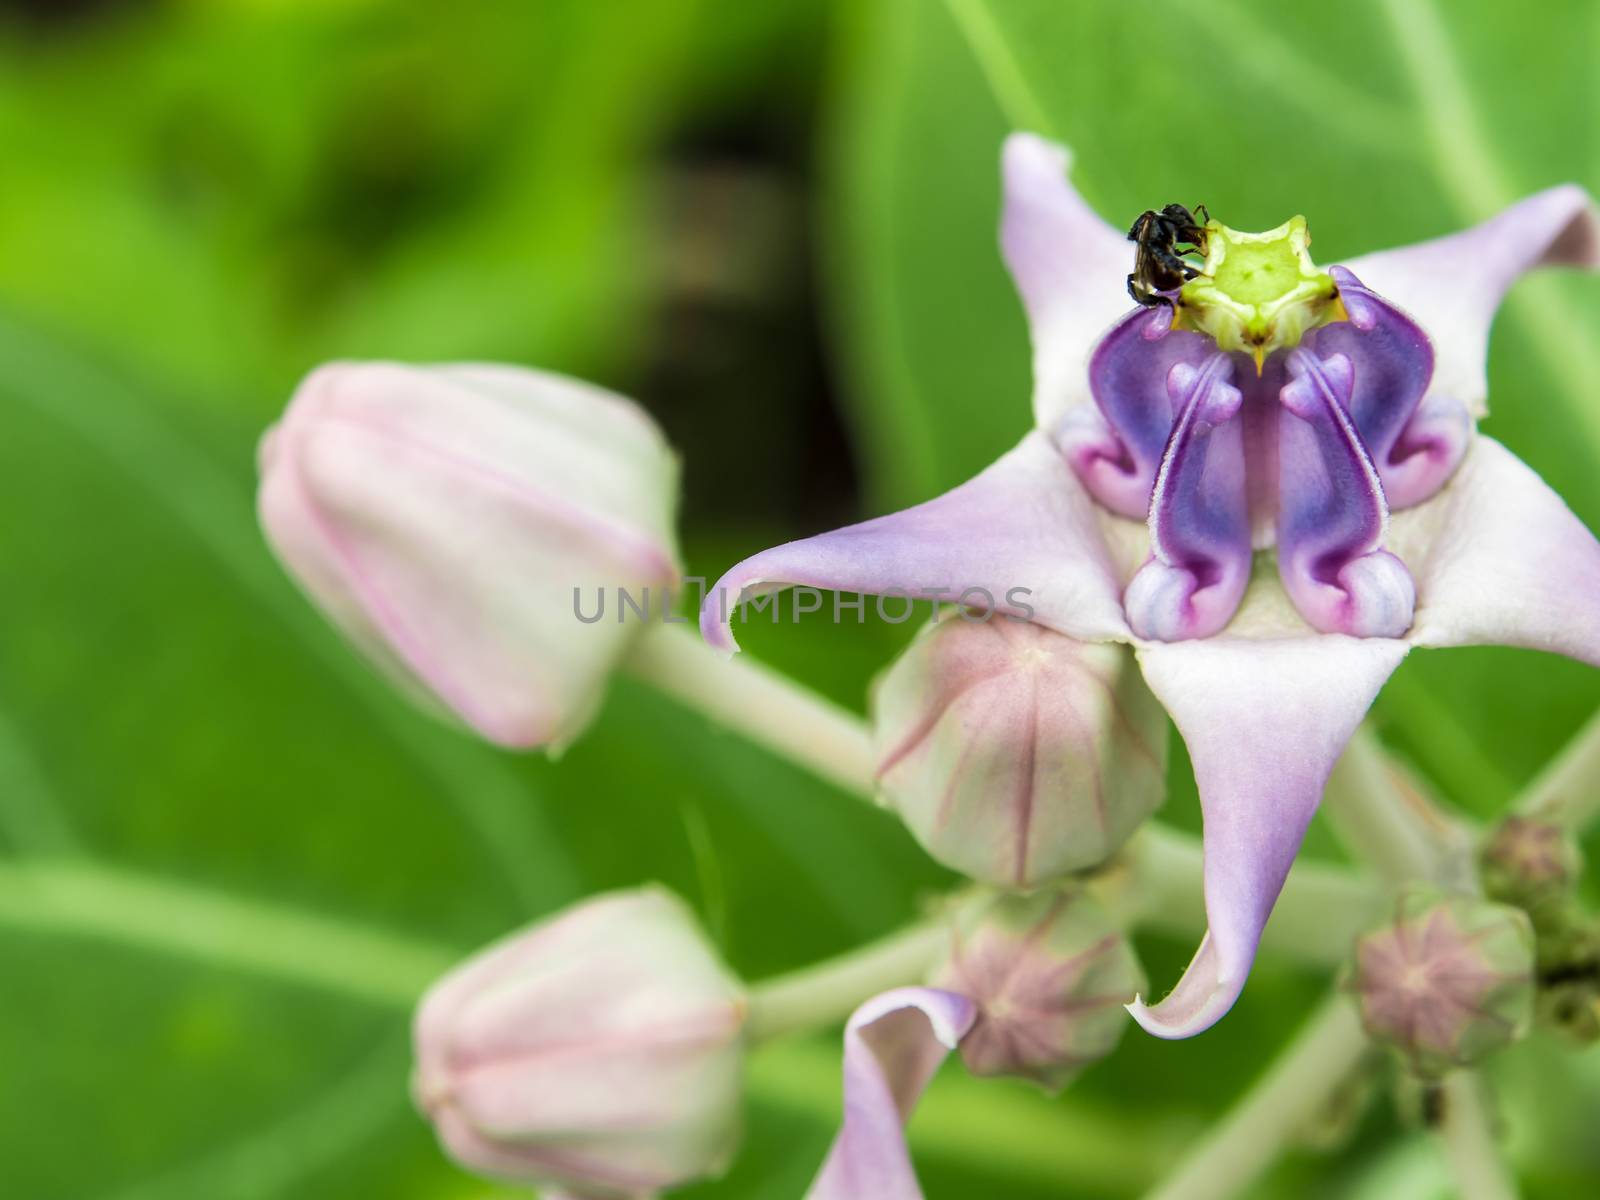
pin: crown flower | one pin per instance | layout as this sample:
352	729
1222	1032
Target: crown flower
1269	481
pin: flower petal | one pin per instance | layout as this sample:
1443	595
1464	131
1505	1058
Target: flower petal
1453	285
892	1046
1501	560
1414	443
1068	264
1024	531
1117	446
1264	722
1331	514
1199	512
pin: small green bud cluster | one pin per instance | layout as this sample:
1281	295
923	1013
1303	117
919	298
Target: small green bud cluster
1533	863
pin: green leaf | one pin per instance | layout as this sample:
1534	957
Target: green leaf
934	343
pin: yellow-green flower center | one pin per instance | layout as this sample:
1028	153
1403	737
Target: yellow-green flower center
1258	292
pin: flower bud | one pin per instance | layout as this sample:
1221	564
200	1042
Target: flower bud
1531	863
1569	977
598	1051
1049	974
1447	981
453	521
1015	754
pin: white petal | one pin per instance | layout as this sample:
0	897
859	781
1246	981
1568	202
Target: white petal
1453	285
1264	721
1070	266
1500	559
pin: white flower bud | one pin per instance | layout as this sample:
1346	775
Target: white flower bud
454	520
597	1052
1015	754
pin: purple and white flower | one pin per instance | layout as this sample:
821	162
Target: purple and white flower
1327	423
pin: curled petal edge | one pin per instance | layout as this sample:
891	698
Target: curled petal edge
1453	285
893	1044
1264	722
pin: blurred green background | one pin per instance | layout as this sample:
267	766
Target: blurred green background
229	857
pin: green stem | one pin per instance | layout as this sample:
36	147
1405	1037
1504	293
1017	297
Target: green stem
1466	1134
1568	789
827	992
966	1121
1392	826
1235	1152
81	898
1158	883
760	703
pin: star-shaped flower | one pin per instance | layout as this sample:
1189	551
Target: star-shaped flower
1266	411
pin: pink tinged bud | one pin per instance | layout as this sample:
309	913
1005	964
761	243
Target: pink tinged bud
453	521
1050	975
597	1052
1016	754
1531	863
1447	981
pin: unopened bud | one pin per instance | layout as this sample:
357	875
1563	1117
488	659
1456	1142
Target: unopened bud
1447	981
455	521
1569	977
1049	974
1015	754
597	1052
1531	863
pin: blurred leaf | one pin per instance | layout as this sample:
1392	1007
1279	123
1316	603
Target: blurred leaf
228	195
936	353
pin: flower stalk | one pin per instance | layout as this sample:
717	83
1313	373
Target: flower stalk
1296	1086
1154	882
827	992
751	699
1390	825
1566	790
1466	1134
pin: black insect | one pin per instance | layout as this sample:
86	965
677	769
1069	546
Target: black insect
1158	264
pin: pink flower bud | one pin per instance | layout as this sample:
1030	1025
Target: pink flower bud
1531	863
443	516
598	1051
1050	975
1015	754
1447	981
